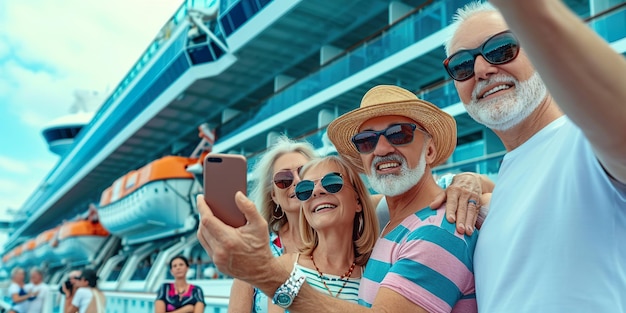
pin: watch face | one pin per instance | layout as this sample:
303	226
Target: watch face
283	300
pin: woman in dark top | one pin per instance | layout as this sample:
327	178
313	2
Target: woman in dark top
179	296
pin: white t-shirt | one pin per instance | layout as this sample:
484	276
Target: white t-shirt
82	298
36	305
554	238
21	307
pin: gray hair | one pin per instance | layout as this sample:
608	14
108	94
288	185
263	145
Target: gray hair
464	13
15	270
36	270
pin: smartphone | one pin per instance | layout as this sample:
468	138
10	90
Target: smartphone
224	175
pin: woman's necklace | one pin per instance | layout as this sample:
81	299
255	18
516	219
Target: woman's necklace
345	282
181	292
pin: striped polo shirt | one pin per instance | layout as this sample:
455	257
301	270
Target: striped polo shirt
425	260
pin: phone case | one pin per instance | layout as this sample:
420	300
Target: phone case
224	175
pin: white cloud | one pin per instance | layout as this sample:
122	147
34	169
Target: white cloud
61	46
13	166
4	49
50	48
18	180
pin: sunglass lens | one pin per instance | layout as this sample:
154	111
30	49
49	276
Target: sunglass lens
399	134
304	189
332	182
283	179
365	142
461	65
501	49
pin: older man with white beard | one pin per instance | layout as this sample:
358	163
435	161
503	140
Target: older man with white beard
420	263
553	240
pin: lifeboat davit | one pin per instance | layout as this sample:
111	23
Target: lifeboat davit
152	202
79	241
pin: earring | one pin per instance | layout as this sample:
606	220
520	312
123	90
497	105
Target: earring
278	213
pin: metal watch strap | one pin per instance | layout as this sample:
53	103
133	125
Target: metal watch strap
287	292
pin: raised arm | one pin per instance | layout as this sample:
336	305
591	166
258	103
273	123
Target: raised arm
241	297
244	253
583	73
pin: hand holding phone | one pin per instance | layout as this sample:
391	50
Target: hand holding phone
224	175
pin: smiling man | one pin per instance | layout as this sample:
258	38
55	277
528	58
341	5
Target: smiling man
420	263
553	240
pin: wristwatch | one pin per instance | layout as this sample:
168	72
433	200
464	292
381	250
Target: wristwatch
288	290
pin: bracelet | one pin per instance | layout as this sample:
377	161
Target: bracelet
287	292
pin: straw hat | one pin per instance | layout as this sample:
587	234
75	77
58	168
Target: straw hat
385	100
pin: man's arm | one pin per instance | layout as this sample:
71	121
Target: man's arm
244	253
241	297
583	73
388	301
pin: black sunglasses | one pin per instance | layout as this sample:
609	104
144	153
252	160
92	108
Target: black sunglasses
498	49
76	277
396	134
331	182
283	179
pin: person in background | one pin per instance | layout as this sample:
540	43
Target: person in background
69	287
553	91
18	291
38	287
88	298
179	296
339	228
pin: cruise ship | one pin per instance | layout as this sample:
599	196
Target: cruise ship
230	76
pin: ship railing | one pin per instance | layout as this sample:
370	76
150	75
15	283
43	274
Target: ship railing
608	24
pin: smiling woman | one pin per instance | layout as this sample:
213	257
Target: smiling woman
338	227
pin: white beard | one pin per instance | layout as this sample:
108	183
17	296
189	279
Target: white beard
506	111
392	184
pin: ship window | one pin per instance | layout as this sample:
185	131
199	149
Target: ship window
201	266
131	180
61	133
117	188
143	268
117	269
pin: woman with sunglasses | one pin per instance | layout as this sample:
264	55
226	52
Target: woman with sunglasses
276	175
88	298
338	226
179	296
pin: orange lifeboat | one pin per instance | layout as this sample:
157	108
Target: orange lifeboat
26	258
43	247
78	241
152	202
8	260
14	256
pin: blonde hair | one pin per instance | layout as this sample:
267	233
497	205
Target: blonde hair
261	193
364	241
464	13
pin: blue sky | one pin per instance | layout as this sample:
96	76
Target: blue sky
49	49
